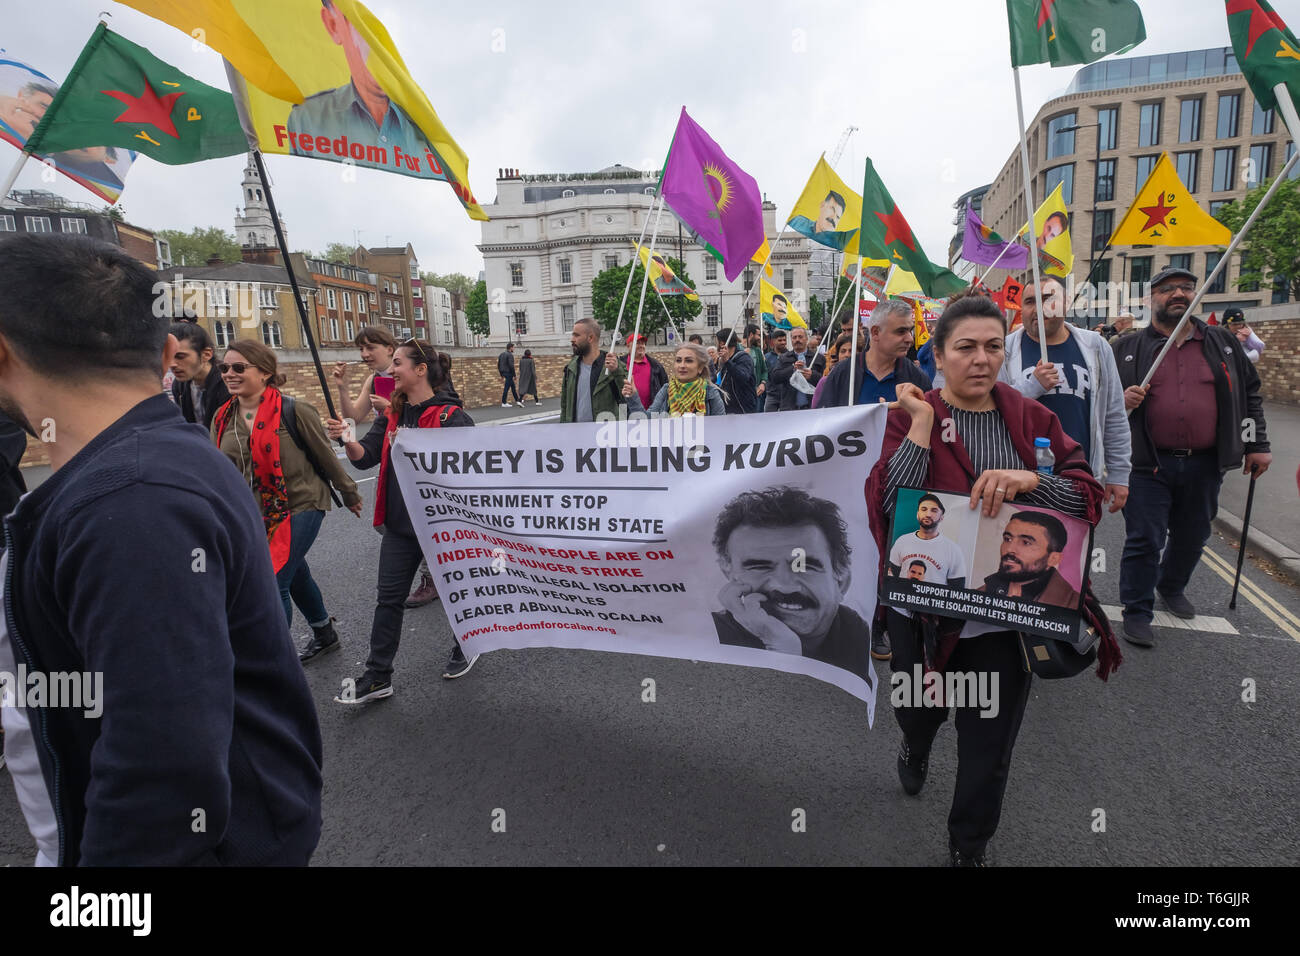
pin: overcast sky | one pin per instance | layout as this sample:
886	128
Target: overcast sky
577	88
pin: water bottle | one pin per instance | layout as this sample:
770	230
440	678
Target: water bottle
1043	454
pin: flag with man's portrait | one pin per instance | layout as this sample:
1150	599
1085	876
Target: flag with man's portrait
776	308
828	212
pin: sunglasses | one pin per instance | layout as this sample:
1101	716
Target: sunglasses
239	368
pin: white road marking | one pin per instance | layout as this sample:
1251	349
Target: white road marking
1252	592
1202	622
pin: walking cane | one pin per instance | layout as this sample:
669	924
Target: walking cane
1245	529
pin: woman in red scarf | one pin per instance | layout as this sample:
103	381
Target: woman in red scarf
286	479
973	437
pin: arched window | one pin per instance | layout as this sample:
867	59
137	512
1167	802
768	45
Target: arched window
225	333
649	190
609	192
567	194
277	336
266	333
259	195
252	238
250	194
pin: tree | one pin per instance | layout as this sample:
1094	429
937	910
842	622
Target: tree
607	294
1271	250
816	312
455	282
337	252
476	310
198	245
114	213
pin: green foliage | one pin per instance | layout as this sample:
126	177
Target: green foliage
339	252
816	312
1271	250
476	310
456	282
607	294
114	213
198	245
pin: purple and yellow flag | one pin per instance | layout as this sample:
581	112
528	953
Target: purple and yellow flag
713	197
982	246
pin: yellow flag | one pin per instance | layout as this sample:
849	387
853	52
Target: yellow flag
1052	232
1164	214
853	263
902	283
921	332
776	308
324	80
764	255
828	212
662	274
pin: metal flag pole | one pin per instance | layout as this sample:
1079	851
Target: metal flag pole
1241	548
1029	207
1005	250
762	270
853	347
645	280
13	173
628	286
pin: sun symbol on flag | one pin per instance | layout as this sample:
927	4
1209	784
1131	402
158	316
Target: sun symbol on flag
719	185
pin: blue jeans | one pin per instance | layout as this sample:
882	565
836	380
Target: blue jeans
1171	510
296	584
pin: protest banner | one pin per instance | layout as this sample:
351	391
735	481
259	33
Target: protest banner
1025	569
731	539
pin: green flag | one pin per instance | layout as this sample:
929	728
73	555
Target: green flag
885	234
1064	32
120	94
1266	50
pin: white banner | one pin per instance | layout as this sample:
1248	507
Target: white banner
740	539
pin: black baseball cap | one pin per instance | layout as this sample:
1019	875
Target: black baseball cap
1234	315
1170	273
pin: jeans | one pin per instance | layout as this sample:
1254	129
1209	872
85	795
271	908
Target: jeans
984	744
399	559
771	403
508	388
296	584
1171	509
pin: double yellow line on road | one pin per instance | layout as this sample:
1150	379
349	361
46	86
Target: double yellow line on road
1274	610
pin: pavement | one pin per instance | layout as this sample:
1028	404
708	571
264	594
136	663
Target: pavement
1185	757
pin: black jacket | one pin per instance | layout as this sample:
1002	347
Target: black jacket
1236	390
13	442
144	560
835	394
781	378
506	364
737	383
215	394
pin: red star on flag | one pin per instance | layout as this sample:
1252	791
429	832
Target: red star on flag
1156	214
148	107
1045	12
1260	22
897	229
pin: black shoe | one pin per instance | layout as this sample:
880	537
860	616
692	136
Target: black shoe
458	664
880	649
912	768
1179	606
957	858
326	639
368	686
1137	632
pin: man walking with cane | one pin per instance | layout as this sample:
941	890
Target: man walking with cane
1200	415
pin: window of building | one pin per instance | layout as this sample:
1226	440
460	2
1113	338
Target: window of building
1140	270
224	333
609	192
446	338
521	323
1229	110
1060	139
1149	125
749	279
1225	169
1216	205
1105	181
1189	120
611	262
1295	170
1062	176
351	328
1144	166
1103	272
517	275
1260	165
219	295
76	226
266	333
1241	267
265	298
1181	261
1109	121
1261	123
566	271
787	280
7	224
649	190
711	315
347	300
711	264
567	194
1188	166
37	223
1103	226
1281	290
566	317
331	299
1219	284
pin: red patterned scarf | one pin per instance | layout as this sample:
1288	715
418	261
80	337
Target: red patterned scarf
268	478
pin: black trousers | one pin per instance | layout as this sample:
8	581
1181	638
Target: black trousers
399	559
508	388
984	744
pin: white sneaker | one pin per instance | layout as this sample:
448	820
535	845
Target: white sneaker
506	405
520	404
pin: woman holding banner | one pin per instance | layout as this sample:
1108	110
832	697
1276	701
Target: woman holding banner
423	397
687	392
974	437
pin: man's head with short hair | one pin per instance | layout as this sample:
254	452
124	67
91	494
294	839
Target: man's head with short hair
778	340
829	213
892	327
193	359
1032	544
585	338
1053	299
695	338
727	343
780	307
916	570
510	346
929	512
752	332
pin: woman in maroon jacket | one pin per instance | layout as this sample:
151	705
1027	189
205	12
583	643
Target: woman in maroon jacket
973	437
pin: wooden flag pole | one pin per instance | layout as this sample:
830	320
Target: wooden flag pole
1287	108
1029	209
645	280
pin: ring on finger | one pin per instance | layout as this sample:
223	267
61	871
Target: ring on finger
1002	491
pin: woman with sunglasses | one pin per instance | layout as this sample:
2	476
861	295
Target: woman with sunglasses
291	482
423	397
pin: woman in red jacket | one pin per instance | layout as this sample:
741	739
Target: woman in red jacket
973	437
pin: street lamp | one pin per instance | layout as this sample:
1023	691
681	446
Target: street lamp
1096	173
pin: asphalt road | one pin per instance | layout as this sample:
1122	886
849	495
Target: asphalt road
560	745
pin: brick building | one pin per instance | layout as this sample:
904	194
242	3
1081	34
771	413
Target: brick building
39	211
345	299
400	288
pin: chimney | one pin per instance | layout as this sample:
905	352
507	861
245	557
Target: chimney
260	255
214	260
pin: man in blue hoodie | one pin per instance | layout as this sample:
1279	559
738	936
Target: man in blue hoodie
174	739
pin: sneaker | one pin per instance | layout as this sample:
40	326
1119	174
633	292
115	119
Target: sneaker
1179	606
520	404
368	686
880	649
957	858
458	664
1137	631
324	640
912	768
425	593
506	405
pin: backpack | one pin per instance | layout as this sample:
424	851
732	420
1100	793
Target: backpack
289	419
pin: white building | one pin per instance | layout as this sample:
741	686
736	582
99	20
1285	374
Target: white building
253	224
441	317
548	236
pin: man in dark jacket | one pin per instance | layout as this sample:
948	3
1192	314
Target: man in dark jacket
198	389
13	443
176	740
593	380
773	394
506	369
1200	415
797	361
736	375
885	365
